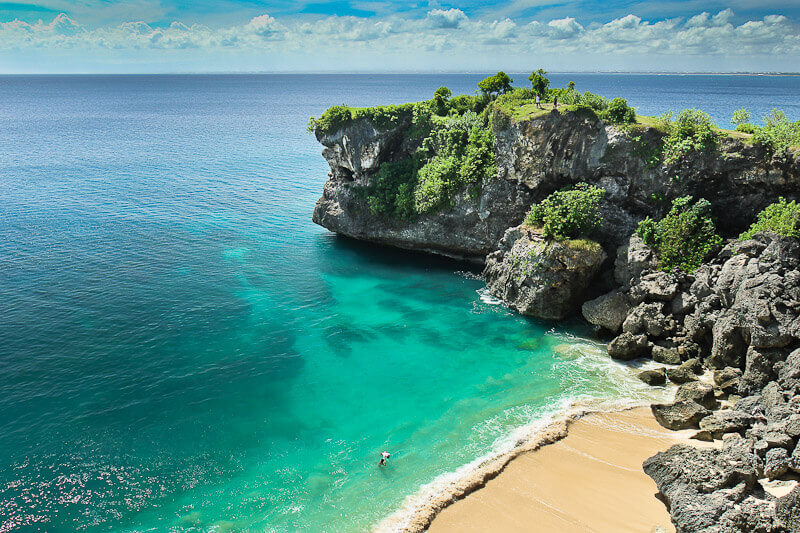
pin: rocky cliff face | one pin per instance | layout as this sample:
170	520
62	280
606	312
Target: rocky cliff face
539	277
471	229
536	157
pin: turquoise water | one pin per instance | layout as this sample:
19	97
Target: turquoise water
180	347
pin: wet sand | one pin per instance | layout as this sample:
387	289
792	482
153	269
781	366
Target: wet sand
592	480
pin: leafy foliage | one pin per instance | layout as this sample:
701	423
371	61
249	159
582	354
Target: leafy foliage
619	112
440	98
593	101
500	83
747	128
781	217
684	237
691	131
457	152
778	133
338	116
741	116
568	213
539	82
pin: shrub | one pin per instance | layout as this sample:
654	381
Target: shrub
593	101
440	100
498	84
569	213
684	237
781	217
456	152
747	128
778	132
619	112
741	116
539	82
338	116
692	130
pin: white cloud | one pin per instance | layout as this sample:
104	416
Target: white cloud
704	35
450	18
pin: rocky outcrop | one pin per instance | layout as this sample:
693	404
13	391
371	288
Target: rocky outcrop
534	158
739	315
540	277
470	229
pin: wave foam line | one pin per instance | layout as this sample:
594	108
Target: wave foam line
419	509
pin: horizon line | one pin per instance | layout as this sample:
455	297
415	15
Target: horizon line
401	72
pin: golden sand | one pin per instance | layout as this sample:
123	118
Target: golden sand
592	480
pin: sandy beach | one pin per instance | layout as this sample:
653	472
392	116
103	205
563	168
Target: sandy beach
592	480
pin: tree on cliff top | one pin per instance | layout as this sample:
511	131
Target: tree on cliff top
539	82
500	83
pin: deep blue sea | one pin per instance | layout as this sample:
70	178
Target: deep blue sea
182	349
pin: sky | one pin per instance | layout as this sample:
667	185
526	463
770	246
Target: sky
153	36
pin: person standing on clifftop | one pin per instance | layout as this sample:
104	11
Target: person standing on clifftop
538	103
555	102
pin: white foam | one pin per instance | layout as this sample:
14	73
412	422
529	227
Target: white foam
628	392
487	298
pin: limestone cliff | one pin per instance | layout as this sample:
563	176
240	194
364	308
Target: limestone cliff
536	157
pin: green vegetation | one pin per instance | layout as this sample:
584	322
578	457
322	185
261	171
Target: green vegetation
741	120
691	131
569	213
539	82
619	112
684	237
778	133
456	151
782	217
383	117
500	83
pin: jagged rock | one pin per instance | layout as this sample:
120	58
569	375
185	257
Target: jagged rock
608	311
726	421
667	356
787	510
703	435
727	380
633	258
648	318
759	370
778	439
776	463
751	405
626	347
729	346
700	485
654	286
683	303
699	392
653	377
680	414
542	277
686	372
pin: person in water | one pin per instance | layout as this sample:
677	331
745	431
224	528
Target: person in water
384	456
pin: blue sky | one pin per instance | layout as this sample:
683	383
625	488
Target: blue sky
375	35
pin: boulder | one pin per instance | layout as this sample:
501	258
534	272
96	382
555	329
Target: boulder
726	421
686	372
626	347
654	286
648	318
653	377
667	356
700	485
759	370
699	392
787	510
541	277
607	311
633	258
729	346
679	415
776	463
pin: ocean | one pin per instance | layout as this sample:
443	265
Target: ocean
181	348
